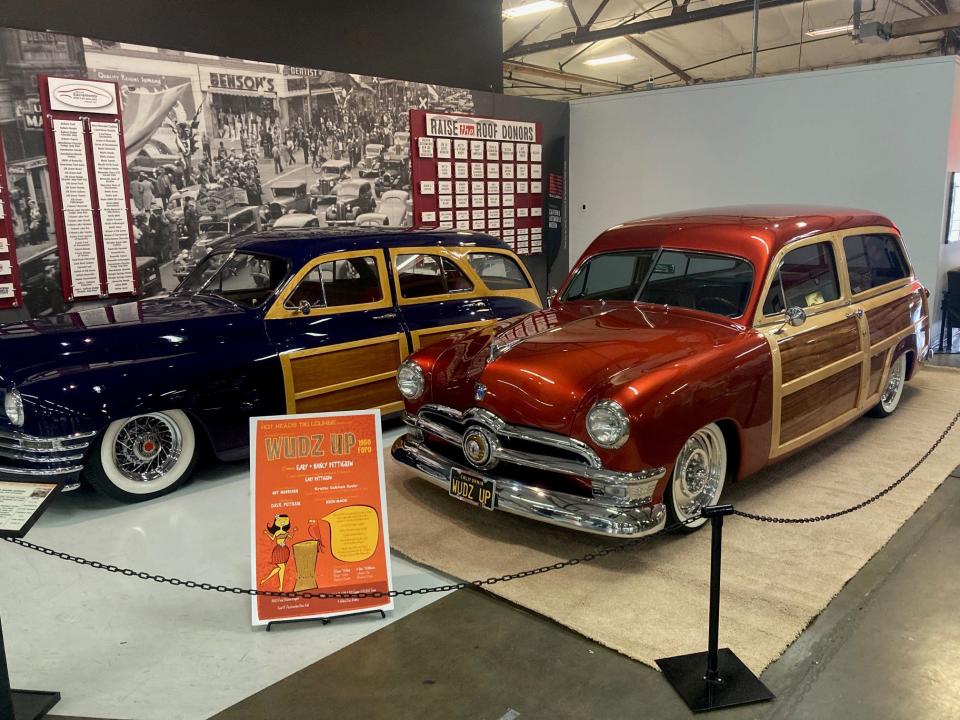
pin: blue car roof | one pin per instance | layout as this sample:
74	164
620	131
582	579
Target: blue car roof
302	244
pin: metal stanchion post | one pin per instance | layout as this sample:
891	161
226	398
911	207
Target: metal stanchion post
6	696
21	704
717	678
25	704
713	633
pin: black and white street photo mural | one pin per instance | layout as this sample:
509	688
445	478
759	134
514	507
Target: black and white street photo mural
216	148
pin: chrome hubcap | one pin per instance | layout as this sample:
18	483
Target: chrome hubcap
147	447
699	473
891	393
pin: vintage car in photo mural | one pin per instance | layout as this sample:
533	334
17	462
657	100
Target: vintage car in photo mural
681	353
286	321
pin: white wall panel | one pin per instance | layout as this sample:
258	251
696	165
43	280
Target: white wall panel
873	137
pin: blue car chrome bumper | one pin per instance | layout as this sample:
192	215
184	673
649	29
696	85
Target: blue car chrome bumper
23	455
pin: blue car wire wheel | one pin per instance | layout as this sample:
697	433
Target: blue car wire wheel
143	456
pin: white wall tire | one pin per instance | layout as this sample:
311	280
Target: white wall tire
891	393
698	477
143	456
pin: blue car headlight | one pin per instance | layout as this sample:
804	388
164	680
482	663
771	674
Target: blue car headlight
13	407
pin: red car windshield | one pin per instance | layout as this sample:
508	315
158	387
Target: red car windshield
718	284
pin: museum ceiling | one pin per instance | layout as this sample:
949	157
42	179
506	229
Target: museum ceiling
682	43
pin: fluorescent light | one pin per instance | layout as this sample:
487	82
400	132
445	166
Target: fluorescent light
835	30
608	59
530	8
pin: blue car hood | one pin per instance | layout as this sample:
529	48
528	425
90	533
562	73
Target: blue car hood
157	327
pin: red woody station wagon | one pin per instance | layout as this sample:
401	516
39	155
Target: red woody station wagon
681	353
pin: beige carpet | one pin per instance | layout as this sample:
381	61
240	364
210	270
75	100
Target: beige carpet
651	601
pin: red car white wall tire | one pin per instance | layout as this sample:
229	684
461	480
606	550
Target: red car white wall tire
698	477
891	393
143	456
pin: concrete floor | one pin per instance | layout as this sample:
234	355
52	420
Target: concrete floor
888	646
118	647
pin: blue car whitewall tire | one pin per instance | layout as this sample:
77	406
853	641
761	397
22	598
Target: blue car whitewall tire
143	456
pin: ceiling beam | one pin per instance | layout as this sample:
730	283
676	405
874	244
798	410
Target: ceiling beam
649	51
521	83
596	14
512	66
921	26
573	14
527	34
951	37
638	28
630	19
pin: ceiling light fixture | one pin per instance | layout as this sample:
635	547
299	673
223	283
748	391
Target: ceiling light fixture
531	8
836	30
623	57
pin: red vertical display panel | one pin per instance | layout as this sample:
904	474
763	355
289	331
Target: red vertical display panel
10	295
83	134
479	173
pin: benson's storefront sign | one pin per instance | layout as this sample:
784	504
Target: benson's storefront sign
319	514
248	83
462	126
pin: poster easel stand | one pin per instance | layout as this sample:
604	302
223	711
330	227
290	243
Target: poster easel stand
24	704
326	620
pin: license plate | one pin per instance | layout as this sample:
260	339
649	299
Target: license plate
473	489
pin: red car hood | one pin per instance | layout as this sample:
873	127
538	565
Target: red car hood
552	365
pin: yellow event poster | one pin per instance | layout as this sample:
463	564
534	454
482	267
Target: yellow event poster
319	514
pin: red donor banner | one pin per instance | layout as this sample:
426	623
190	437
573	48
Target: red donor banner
319	514
479	173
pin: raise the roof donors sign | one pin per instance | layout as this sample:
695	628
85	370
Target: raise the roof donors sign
463	126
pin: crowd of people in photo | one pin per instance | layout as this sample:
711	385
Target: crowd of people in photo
242	141
327	132
156	229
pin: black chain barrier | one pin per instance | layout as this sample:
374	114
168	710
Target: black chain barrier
193	585
587	557
860	505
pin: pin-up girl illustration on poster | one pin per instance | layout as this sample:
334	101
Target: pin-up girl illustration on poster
279	532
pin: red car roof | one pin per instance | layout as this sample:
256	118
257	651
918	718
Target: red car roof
755	232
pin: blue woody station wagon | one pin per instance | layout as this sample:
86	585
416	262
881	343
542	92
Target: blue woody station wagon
286	321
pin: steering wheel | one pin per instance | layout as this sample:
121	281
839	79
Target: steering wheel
717	305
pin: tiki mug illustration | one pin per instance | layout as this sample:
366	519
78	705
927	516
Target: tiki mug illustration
305	554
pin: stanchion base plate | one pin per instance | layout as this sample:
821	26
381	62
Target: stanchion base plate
739	686
32	704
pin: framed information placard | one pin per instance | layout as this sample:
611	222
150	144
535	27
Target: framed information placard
319	514
498	181
10	295
21	503
83	133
